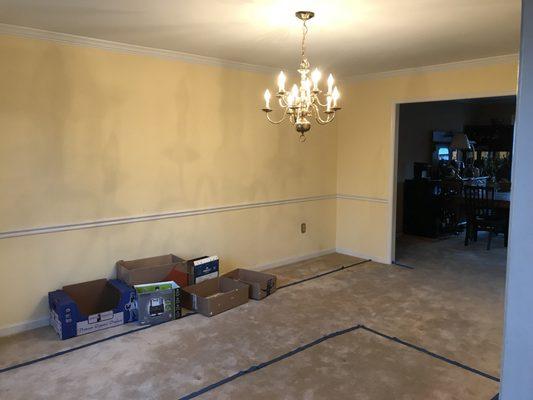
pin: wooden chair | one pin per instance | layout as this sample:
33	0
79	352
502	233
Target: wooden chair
481	214
452	217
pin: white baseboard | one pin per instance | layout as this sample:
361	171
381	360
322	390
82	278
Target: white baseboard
23	326
349	252
291	260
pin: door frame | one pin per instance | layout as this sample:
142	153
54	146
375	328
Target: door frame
395	125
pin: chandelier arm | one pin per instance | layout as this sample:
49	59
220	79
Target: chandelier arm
327	121
318	118
319	103
280	121
282	102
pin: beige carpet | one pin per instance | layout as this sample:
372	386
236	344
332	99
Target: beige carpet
450	307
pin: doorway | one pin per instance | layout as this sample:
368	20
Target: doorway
439	146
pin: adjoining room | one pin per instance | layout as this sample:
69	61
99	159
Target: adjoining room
454	180
266	199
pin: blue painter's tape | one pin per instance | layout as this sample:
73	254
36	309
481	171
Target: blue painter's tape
430	353
402	265
262	365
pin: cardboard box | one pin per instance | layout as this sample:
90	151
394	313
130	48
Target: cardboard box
153	269
202	268
261	284
91	306
213	296
158	302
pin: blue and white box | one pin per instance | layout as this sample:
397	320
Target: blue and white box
202	268
91	306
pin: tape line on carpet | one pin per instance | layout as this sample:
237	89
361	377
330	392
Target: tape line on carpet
323	274
430	353
402	265
257	367
291	353
83	346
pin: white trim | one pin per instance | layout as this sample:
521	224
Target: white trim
24	326
392	215
292	260
361	198
65	38
458	96
478	62
176	214
158	216
352	253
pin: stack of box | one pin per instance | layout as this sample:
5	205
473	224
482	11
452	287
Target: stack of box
158	302
157	282
152	290
213	296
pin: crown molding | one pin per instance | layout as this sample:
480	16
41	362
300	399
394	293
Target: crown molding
125	48
478	62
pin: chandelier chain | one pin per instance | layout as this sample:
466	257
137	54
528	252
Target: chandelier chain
304	34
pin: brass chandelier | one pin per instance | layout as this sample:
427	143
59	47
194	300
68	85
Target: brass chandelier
303	103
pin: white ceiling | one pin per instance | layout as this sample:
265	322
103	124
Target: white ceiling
349	37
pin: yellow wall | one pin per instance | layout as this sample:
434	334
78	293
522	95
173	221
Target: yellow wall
366	143
88	134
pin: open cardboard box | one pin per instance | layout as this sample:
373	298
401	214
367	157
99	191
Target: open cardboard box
91	306
261	284
213	296
153	269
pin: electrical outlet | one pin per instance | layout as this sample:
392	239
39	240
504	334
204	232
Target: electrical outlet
303	227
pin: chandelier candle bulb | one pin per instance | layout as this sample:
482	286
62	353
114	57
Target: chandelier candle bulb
290	100
307	86
304	100
267	99
335	95
330	83
316	77
294	91
281	82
